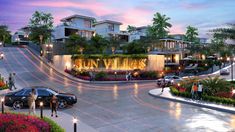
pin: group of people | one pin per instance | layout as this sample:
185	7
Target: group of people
196	90
32	99
11	81
128	76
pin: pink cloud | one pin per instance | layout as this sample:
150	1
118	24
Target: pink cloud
136	17
96	7
177	29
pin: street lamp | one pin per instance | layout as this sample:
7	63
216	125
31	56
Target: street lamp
41	38
41	109
75	120
2	100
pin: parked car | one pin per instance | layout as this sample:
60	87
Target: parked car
19	99
169	80
224	72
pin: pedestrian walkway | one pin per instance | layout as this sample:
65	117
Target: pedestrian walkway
167	95
63	119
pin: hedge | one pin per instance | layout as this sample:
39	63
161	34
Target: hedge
219	100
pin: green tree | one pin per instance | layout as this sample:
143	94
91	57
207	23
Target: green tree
76	44
191	34
213	85
131	29
99	43
160	26
136	47
5	35
226	33
40	24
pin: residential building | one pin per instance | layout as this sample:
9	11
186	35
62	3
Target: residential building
75	24
174	50
21	36
139	33
108	29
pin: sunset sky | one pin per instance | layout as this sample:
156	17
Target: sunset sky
203	14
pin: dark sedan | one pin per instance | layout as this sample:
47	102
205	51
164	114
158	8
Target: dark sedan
19	98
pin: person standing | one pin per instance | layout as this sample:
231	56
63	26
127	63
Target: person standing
13	80
54	105
10	81
200	89
127	76
194	90
31	101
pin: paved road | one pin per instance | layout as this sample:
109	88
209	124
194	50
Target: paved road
116	107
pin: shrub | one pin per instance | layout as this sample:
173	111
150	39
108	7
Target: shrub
21	123
148	74
100	75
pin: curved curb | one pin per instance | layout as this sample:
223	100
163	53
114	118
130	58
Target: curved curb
194	104
83	81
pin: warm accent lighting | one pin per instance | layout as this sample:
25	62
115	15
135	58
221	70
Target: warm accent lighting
41	104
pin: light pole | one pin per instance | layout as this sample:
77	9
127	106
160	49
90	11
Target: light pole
41	109
2	100
81	50
41	38
75	120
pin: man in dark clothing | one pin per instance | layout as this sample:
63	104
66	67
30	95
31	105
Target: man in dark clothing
54	105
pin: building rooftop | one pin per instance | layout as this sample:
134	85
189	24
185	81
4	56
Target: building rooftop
108	21
77	16
142	27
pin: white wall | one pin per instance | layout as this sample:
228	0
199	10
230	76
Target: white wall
59	32
62	61
103	30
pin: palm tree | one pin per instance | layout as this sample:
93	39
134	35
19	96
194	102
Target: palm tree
131	29
215	85
191	34
160	26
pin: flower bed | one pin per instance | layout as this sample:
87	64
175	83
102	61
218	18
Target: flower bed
3	85
219	100
11	122
115	75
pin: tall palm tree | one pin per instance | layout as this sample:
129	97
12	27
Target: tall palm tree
131	29
160	26
191	34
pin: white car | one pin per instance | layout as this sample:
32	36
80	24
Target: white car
224	72
169	80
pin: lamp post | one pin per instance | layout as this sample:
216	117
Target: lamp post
75	120
41	109
231	60
2	100
41	38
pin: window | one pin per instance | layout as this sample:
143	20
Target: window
27	91
111	27
20	92
43	92
87	24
